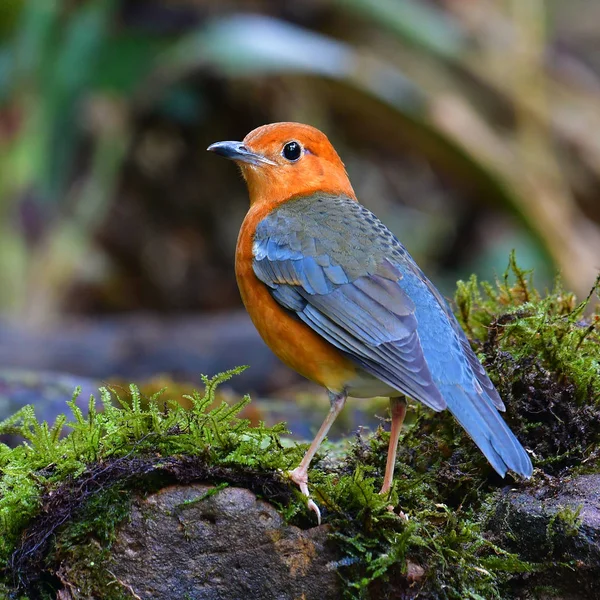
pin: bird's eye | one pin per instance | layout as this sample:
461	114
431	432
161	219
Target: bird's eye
292	151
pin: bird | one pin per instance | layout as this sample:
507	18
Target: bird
338	298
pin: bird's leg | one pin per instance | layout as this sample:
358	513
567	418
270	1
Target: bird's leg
300	474
398	410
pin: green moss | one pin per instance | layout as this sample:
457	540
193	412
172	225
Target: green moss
434	530
542	352
49	481
83	545
512	317
565	522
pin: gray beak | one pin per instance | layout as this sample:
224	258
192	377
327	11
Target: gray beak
238	152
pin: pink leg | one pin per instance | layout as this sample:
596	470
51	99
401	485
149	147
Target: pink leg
300	474
398	410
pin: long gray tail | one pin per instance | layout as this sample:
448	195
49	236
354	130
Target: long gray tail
482	421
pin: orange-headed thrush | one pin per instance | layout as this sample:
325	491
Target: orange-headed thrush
338	298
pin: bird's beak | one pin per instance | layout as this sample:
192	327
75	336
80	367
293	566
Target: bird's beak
237	152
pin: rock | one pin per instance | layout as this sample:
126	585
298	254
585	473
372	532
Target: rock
557	522
196	542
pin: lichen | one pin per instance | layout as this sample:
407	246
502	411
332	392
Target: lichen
61	498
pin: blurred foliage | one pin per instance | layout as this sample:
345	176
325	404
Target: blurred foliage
469	127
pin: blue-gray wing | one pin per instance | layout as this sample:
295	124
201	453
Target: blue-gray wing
349	296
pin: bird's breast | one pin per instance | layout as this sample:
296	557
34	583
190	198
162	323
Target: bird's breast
296	344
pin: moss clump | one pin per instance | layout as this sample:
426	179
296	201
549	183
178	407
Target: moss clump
511	316
49	481
82	546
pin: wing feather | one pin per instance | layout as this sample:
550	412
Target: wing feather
370	319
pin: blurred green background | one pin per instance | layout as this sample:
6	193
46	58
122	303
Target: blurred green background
470	127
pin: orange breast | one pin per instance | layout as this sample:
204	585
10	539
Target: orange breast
296	344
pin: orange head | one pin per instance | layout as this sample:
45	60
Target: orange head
283	160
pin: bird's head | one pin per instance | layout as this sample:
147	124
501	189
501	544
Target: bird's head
283	160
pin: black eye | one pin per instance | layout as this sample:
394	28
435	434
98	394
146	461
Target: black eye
292	151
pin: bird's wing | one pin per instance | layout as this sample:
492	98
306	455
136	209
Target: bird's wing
328	264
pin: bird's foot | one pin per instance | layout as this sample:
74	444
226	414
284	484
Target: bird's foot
400	514
300	477
385	491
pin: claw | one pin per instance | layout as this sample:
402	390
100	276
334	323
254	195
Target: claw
312	505
300	477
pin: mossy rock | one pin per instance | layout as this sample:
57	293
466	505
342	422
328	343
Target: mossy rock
59	495
202	541
556	523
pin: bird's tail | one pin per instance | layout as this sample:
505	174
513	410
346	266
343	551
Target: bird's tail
482	421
